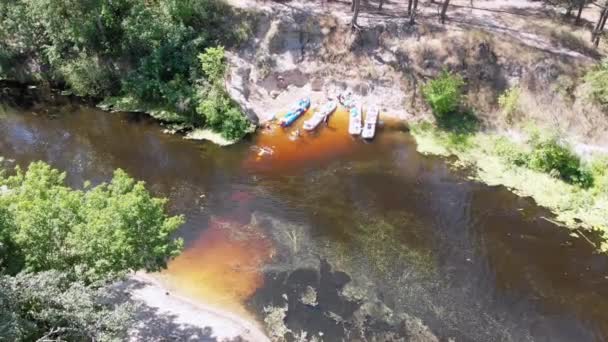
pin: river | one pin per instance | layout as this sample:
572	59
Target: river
389	240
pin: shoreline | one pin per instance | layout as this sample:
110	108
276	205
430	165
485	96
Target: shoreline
186	311
574	208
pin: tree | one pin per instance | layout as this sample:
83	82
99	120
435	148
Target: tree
412	7
91	233
356	5
444	9
49	306
581	6
599	26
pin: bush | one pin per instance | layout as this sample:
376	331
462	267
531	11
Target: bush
221	113
86	76
443	94
509	103
552	157
597	79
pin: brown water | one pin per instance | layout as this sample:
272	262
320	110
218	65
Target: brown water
408	234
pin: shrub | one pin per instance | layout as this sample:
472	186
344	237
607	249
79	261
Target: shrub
221	113
86	76
213	64
597	79
443	94
509	103
558	160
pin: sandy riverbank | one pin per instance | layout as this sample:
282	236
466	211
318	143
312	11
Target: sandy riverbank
215	323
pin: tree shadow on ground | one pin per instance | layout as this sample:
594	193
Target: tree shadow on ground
152	325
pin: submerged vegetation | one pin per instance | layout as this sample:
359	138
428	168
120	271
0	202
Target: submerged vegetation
136	55
61	247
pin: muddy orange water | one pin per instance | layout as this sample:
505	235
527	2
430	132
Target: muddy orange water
223	266
285	148
474	263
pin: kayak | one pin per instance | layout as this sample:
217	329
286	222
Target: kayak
295	112
354	122
319	116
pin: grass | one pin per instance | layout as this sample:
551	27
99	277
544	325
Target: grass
497	161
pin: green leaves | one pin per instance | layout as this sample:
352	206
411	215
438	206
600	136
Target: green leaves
105	230
597	79
212	63
221	113
51	304
443	93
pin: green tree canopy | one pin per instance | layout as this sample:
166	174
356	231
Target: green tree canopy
90	233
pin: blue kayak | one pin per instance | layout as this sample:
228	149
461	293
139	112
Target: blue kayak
295	112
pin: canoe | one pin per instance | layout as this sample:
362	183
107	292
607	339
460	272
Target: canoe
295	112
371	119
355	120
319	116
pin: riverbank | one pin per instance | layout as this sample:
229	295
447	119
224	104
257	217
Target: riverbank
217	323
585	211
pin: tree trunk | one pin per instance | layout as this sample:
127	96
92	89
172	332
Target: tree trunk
412	11
380	5
356	6
599	25
409	7
352	6
444	9
599	28
581	6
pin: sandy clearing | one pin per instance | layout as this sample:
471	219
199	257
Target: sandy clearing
224	324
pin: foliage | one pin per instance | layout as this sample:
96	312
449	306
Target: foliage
107	229
212	63
87	76
557	159
49	304
218	109
597	79
599	170
443	94
509	103
145	50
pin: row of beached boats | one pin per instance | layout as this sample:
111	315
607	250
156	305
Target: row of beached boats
356	124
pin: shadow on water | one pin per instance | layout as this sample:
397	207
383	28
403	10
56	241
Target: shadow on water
393	243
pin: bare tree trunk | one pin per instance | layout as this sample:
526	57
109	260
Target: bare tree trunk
412	8
598	35
599	27
444	9
356	7
380	5
352	6
581	6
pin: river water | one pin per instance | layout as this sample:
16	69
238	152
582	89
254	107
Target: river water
389	240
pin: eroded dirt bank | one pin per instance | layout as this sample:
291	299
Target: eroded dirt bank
302	48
